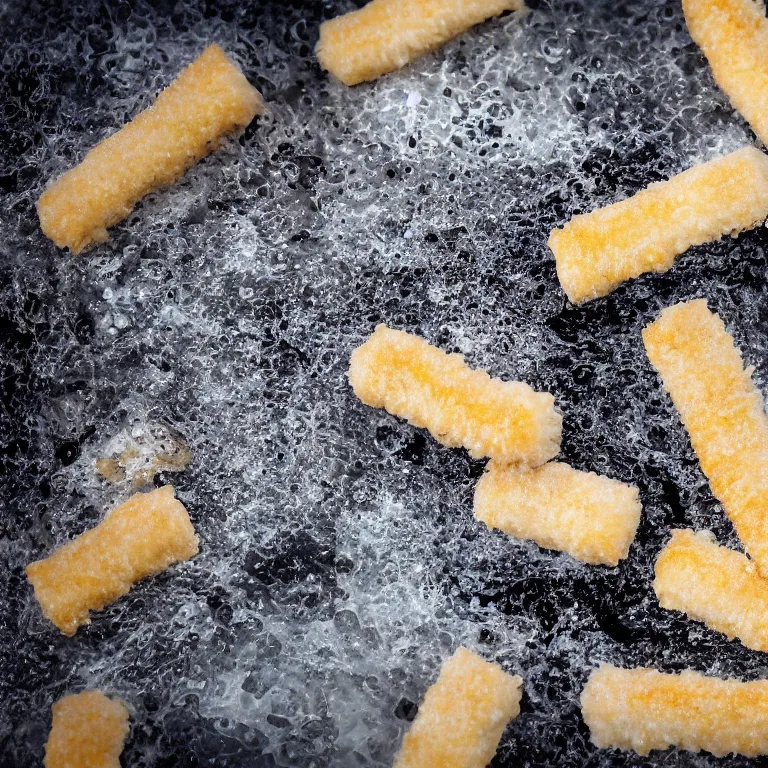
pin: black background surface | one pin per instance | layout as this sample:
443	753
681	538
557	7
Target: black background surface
340	562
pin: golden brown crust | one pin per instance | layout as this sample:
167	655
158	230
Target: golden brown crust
715	585
209	99
141	537
642	709
412	379
88	731
463	715
591	517
387	34
733	35
702	370
597	251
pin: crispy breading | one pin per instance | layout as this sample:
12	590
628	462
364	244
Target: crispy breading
597	251
88	731
463	715
643	709
733	35
593	518
208	100
410	378
143	536
713	584
718	403
387	34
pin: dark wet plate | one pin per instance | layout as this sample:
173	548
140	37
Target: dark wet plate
340	562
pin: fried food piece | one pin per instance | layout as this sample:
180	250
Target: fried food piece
208	100
715	585
597	251
385	35
410	378
88	731
463	715
733	35
139	454
702	370
642	709
591	517
143	536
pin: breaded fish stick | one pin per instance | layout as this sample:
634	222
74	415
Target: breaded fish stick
733	35
388	34
141	537
723	412
642	709
597	251
463	715
591	517
715	585
209	99
505	420
88	731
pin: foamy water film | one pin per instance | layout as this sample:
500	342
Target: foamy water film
340	562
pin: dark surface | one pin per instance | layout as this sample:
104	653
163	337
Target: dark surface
340	562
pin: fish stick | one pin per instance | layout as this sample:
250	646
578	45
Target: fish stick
143	536
208	100
410	378
715	585
597	251
591	517
463	715
642	709
385	35
702	370
733	35
88	731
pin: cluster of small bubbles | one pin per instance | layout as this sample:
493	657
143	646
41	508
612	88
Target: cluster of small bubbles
339	561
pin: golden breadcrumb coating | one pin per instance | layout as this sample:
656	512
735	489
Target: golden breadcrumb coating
143	536
642	709
591	517
505	420
208	100
714	584
733	35
702	370
597	251
463	715
387	34
88	731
